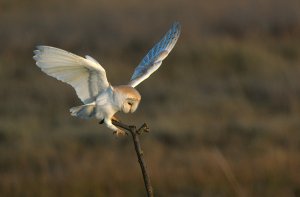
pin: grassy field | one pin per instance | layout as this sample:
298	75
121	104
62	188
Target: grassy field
223	109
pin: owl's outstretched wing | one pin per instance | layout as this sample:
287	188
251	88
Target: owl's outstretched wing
86	75
152	61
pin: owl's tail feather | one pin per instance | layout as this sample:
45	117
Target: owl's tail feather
84	111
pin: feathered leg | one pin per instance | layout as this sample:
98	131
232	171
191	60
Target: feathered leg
117	131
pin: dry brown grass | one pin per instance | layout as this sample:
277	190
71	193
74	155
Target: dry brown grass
224	108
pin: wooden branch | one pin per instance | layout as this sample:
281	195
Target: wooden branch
135	136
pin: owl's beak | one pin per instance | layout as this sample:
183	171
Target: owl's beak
133	107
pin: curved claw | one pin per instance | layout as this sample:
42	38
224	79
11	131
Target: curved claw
115	119
120	132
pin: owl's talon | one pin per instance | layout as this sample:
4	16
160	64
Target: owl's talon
119	132
115	119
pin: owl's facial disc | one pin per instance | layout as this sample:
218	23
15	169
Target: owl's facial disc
130	105
129	97
133	105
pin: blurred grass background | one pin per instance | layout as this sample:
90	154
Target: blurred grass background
224	107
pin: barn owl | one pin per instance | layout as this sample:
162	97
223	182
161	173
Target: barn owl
100	99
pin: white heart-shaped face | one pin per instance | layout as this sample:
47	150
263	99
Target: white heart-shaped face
128	98
130	105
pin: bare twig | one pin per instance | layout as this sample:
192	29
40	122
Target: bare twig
135	136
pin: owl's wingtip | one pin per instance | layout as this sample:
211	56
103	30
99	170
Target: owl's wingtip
176	24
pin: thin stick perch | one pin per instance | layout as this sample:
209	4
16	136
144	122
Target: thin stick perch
135	137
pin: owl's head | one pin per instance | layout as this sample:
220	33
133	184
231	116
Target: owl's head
130	98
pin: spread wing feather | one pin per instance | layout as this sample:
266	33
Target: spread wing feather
152	61
85	75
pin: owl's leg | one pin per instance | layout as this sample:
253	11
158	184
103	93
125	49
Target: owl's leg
117	131
112	118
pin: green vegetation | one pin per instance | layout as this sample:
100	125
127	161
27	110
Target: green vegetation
223	109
